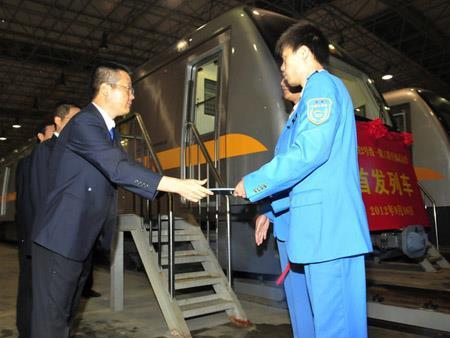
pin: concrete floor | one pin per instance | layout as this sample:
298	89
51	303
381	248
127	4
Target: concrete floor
142	317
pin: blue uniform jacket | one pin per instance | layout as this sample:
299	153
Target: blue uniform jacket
323	217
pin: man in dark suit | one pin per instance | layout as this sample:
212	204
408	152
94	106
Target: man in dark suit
41	155
85	168
24	221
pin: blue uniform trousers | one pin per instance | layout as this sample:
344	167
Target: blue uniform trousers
328	300
297	297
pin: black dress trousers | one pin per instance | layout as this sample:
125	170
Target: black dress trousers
57	285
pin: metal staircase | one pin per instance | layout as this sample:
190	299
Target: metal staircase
176	252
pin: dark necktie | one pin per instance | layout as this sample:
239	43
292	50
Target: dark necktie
111	133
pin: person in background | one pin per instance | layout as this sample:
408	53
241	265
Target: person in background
24	221
85	168
317	207
46	133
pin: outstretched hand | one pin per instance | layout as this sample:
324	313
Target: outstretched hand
261	227
192	190
239	189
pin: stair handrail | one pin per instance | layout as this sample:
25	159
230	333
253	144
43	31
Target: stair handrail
190	125
433	203
171	232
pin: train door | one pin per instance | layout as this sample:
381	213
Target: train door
205	111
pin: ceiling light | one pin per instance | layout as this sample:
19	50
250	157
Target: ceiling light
16	124
387	73
182	45
331	46
370	81
3	21
3	137
255	12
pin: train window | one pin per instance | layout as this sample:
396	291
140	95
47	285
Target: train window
206	95
4	175
400	115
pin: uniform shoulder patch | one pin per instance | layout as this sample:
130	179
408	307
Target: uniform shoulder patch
319	110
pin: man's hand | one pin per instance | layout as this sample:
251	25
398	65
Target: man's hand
239	190
262	225
192	190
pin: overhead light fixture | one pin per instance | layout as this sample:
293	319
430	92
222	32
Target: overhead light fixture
16	124
3	135
182	45
256	12
387	73
3	21
104	42
331	46
370	81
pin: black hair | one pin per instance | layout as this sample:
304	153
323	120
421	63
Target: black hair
106	73
305	35
63	109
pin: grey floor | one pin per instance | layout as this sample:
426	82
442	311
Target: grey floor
142	317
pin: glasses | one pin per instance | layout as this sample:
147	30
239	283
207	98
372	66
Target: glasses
129	89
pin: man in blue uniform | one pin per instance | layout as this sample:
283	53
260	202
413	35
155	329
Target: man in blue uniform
313	183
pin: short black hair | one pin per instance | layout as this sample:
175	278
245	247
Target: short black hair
106	73
41	128
64	108
305	35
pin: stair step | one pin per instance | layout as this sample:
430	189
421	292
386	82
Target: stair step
205	307
186	282
197	299
186	256
182	235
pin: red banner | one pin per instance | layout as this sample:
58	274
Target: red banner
388	182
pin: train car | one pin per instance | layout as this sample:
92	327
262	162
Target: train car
8	167
427	116
225	79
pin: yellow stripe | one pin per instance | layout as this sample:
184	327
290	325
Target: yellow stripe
424	174
231	145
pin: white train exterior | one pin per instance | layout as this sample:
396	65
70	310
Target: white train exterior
427	116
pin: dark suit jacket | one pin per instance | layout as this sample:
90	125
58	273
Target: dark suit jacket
40	158
85	167
24	215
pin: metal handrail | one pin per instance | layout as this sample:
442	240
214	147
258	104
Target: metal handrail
171	232
433	203
205	153
219	180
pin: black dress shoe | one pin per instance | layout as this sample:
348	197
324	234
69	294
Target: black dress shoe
91	294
